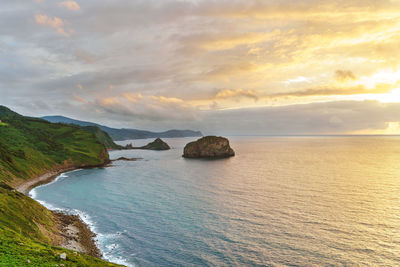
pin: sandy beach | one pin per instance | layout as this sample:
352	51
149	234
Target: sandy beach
45	178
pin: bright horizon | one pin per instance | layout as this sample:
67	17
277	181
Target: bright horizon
222	67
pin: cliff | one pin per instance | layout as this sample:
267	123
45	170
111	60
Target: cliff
209	147
30	147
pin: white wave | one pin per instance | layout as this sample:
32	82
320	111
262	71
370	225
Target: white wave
110	249
101	239
33	192
76	170
49	206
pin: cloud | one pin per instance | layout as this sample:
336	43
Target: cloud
218	41
344	75
337	117
133	98
237	93
337	91
137	108
84	56
79	99
54	22
254	52
70	5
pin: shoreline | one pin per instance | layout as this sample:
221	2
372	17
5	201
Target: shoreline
73	232
76	234
26	186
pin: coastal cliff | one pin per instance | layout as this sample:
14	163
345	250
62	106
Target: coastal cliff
209	147
34	151
31	147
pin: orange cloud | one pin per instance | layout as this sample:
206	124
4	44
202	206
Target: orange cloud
109	101
133	98
71	5
164	99
55	23
79	99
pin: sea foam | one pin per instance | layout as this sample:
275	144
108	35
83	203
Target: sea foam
101	239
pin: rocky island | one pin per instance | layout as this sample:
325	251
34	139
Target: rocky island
209	147
157	144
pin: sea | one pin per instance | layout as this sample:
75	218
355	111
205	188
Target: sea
281	201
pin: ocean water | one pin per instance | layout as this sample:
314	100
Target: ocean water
282	201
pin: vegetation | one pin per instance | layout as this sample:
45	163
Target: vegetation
30	147
157	144
26	228
103	137
126	134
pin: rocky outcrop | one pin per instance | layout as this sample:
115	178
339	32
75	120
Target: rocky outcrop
125	159
157	144
209	147
128	146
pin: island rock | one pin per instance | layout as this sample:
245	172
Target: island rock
209	147
157	144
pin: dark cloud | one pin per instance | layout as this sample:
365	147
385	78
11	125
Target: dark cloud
344	75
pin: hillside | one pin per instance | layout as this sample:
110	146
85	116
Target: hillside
103	137
27	233
30	147
126	134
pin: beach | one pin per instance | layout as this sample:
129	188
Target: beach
72	232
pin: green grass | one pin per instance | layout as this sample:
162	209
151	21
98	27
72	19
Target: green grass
24	215
17	250
25	227
29	147
103	137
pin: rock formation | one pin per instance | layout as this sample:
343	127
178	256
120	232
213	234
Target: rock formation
157	144
209	147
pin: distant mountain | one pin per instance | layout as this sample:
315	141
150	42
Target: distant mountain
126	134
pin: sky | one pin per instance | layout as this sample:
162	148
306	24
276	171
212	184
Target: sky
252	67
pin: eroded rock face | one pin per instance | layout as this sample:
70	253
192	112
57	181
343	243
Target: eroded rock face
209	147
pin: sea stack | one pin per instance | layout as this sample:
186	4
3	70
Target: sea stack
157	144
209	147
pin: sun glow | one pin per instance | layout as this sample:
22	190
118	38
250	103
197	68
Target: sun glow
393	128
381	77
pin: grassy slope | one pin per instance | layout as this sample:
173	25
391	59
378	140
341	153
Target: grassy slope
29	147
103	137
23	222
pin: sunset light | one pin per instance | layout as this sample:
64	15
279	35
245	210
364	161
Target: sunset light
176	133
